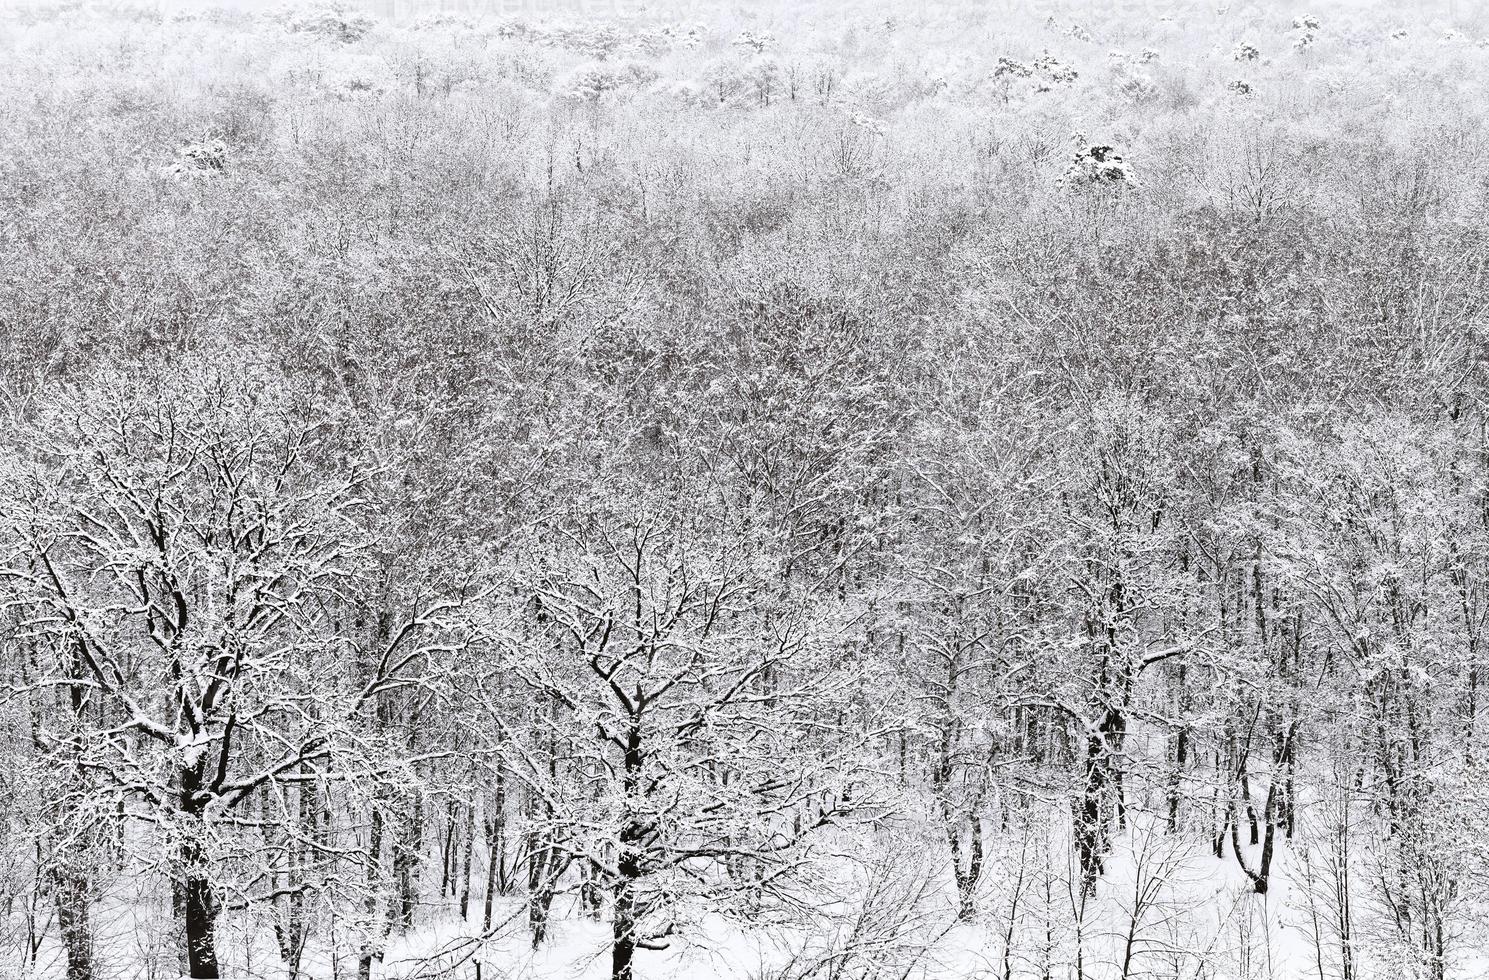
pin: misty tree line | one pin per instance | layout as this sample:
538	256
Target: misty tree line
596	544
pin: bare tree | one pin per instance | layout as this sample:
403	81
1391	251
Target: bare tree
176	556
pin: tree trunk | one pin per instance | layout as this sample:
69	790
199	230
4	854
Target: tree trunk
370	948
1176	778
408	859
71	878
198	916
627	865
72	896
967	872
541	862
197	901
467	849
974	868
1251	820
448	869
589	890
624	924
1089	836
493	862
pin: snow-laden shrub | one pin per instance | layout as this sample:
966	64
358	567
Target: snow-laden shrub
683	35
1097	166
592	82
721	82
1008	68
650	43
426	70
1305	32
866	122
515	29
198	160
1139	87
353	76
756	42
870	91
1246	51
764	79
737	81
593	41
1239	87
1049	71
443	22
596	41
589	83
688	91
334	21
1046	71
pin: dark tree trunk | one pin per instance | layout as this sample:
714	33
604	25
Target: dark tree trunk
1089	831
1251	820
448	864
966	877
1176	779
467	850
624	926
197	902
966	859
71	892
408	859
370	949
493	863
198	916
1261	877
291	935
628	868
541	872
372	946
71	878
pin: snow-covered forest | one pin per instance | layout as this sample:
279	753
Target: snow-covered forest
821	490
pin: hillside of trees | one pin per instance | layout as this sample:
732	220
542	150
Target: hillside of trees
801	491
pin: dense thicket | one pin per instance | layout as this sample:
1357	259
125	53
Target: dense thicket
470	481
